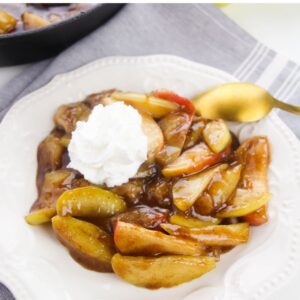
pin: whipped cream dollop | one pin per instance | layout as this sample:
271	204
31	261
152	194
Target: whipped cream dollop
110	147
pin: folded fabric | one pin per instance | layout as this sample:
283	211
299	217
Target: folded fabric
198	32
195	31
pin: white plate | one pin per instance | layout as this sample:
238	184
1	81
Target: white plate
35	266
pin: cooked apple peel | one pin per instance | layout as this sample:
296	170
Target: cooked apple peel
191	200
164	271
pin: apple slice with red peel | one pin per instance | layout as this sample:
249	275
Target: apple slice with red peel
194	160
152	105
136	240
217	135
252	192
175	127
258	217
154	136
188	189
164	271
254	155
186	104
214	235
243	203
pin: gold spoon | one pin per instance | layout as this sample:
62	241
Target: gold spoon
242	102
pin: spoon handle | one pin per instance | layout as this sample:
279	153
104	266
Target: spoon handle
288	107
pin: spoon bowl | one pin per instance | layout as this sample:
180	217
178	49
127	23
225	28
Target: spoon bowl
237	101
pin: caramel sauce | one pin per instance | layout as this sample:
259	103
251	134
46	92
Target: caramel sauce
149	194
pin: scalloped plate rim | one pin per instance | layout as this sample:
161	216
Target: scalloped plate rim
281	127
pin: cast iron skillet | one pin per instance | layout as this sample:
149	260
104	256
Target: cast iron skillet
33	45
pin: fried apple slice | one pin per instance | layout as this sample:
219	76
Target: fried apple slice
54	184
7	22
195	133
89	201
243	204
40	216
88	244
32	21
193	222
136	240
204	205
175	127
220	190
68	115
188	189
252	192
214	235
258	217
194	160
154	136
49	157
164	271
98	98
217	135
152	105
185	103
254	155
223	185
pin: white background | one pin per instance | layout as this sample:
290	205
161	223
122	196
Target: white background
277	26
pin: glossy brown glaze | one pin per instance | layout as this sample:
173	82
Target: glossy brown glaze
149	188
153	195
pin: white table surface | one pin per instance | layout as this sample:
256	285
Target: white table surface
275	25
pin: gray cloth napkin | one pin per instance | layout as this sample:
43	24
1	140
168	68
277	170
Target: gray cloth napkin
197	32
5	294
